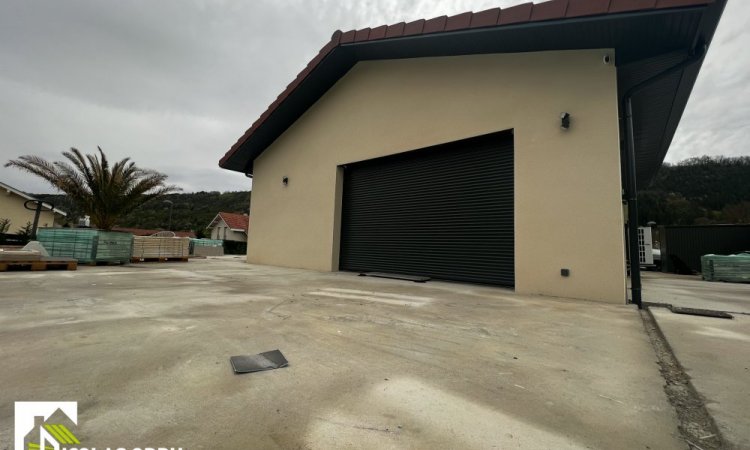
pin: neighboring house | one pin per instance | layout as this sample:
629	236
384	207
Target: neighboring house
487	147
229	227
12	207
146	232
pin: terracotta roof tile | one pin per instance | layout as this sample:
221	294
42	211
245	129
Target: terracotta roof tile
459	21
577	8
435	25
487	18
395	30
235	221
378	32
516	14
554	9
618	6
348	36
413	28
362	35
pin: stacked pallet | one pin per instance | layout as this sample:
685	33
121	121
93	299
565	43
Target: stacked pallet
732	268
33	260
160	248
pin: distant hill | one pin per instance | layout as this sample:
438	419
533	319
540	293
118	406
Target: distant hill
193	211
702	190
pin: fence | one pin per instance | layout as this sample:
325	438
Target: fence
683	246
235	248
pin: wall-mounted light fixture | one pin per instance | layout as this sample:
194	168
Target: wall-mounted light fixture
565	121
285	181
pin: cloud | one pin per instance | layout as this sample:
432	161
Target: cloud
716	120
174	83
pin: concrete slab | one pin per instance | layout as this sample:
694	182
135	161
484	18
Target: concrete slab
374	363
716	355
692	292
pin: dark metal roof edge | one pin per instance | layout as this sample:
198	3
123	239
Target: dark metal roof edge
523	25
706	31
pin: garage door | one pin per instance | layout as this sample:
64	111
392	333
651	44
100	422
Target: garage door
445	212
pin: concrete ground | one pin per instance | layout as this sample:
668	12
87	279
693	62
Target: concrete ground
692	292
374	363
714	352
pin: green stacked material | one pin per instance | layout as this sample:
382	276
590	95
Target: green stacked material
87	245
732	268
206	247
206	242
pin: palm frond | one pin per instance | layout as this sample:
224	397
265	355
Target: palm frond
104	192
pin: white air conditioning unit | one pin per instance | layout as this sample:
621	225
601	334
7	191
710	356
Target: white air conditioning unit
645	246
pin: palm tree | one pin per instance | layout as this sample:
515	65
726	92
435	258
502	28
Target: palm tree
102	192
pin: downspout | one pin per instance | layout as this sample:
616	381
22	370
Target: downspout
632	191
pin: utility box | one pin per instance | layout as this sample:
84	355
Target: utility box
645	246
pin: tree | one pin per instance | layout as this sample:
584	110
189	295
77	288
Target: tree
26	231
192	211
737	213
702	190
4	225
102	192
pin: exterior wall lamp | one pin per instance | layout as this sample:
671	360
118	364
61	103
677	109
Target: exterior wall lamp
285	181
565	121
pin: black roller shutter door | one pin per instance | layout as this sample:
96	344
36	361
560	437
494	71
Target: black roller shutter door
445	212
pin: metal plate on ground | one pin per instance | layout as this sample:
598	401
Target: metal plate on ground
395	276
701	312
257	363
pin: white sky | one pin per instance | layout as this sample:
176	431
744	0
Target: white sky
174	83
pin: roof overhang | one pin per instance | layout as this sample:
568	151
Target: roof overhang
646	41
215	221
218	219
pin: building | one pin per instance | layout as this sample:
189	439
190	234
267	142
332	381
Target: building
229	227
491	147
12	207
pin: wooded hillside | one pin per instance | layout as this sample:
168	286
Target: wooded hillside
193	211
701	190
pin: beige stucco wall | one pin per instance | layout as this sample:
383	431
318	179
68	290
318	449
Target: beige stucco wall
11	207
567	183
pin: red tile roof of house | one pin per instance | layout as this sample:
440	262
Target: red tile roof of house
495	17
234	221
147	232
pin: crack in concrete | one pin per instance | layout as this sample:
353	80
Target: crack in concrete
695	422
359	427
